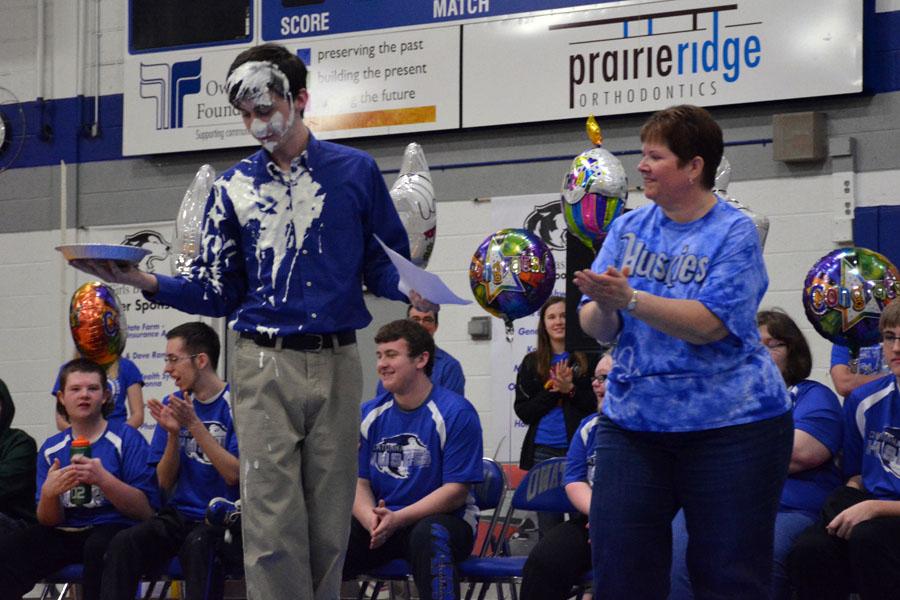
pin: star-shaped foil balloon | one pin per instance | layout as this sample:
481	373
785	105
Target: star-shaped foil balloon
863	304
502	277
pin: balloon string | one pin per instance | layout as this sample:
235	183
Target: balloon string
510	330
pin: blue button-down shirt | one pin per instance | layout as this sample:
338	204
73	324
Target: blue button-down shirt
287	252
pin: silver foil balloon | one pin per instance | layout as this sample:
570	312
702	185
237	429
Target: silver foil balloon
413	196
723	175
189	222
723	178
595	171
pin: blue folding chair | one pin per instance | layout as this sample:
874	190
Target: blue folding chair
488	496
73	574
542	490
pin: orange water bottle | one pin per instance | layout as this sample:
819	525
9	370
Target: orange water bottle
81	493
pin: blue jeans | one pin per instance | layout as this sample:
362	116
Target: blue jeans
728	482
788	525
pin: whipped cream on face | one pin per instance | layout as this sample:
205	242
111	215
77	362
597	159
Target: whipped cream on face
254	82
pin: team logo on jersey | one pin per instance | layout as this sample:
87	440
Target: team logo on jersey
193	449
887	448
399	454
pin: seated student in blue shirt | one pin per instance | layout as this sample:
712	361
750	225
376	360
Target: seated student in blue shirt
562	557
848	375
420	450
855	544
813	472
122	490
195	452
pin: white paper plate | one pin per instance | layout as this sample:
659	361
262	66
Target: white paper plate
120	252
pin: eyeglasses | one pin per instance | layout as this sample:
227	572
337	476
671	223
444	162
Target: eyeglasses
889	338
599	378
428	320
171	359
775	345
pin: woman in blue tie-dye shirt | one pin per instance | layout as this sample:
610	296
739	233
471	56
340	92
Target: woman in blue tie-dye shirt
696	413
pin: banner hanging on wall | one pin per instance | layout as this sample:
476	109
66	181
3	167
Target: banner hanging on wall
627	58
448	64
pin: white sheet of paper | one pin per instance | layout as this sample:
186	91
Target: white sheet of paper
428	285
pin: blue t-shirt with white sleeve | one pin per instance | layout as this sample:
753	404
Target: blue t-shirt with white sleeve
198	480
871	358
128	375
581	458
817	412
123	452
662	383
872	437
406	455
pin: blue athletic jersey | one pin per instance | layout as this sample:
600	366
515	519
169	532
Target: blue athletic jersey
284	252
198	480
872	437
871	358
817	412
123	452
447	373
581	458
406	455
551	430
661	383
128	375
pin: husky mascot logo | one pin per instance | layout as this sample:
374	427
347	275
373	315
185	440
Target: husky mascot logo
154	242
167	86
547	222
889	450
398	454
193	449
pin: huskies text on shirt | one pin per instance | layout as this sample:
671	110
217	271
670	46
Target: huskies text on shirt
123	452
817	412
406	455
580	460
872	437
198	480
662	383
282	253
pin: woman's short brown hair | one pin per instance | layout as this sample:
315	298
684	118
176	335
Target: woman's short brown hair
688	131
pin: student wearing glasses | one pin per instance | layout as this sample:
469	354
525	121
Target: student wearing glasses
813	472
195	453
562	557
855	544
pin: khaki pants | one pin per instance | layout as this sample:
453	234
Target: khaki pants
297	419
